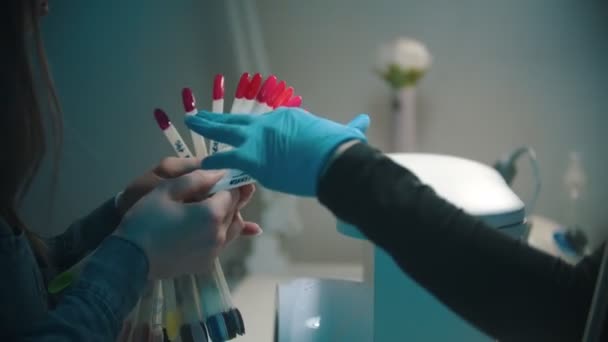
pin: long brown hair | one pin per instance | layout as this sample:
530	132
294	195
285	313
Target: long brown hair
25	84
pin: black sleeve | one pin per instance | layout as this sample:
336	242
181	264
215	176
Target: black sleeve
507	289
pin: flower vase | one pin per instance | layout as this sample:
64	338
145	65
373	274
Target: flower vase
404	120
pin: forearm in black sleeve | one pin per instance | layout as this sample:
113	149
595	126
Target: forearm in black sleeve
501	285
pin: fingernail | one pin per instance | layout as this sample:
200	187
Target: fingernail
251	234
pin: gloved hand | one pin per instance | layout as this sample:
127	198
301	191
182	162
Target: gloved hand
179	229
285	150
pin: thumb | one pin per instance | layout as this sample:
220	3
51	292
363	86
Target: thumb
172	167
232	159
360	122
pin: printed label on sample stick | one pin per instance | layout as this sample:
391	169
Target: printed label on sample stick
232	179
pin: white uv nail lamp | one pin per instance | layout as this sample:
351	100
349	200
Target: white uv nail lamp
388	305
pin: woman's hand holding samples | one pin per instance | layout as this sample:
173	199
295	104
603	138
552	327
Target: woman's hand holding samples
177	229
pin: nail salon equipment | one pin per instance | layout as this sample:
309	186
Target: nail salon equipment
390	306
507	168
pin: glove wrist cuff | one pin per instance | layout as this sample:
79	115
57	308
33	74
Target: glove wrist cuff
337	152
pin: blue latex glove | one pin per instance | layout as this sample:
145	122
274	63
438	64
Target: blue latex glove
285	150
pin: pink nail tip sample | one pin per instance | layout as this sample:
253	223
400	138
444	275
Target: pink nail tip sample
218	87
188	100
241	89
295	101
162	119
267	88
281	99
254	87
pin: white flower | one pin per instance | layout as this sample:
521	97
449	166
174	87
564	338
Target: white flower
407	54
403	62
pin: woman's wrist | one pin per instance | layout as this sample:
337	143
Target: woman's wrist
119	203
117	199
337	152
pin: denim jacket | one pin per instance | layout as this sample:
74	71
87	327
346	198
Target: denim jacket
93	308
